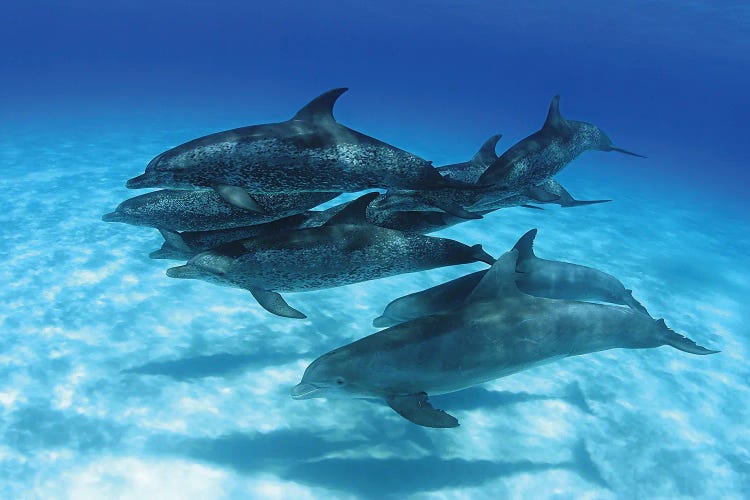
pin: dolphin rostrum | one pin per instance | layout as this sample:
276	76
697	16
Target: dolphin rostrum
309	152
498	331
345	250
538	277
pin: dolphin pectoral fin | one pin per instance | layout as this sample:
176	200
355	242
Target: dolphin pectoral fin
479	254
531	206
238	197
580	203
454	209
417	409
175	240
275	304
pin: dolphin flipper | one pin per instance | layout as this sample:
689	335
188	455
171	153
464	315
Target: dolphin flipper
238	197
175	240
526	205
417	409
275	304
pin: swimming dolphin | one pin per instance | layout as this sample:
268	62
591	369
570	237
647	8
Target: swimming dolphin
345	250
309	152
498	331
181	210
538	277
547	151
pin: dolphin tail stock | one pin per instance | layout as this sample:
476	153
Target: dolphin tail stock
634	304
681	342
479	254
417	409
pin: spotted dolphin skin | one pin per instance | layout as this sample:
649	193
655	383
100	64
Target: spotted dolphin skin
498	331
181	210
309	152
538	277
345	250
546	152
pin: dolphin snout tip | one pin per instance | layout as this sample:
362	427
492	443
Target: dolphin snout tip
186	271
138	182
112	217
304	390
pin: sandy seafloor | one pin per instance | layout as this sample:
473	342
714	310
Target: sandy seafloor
117	382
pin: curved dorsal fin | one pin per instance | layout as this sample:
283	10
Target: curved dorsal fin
486	154
355	212
554	118
525	245
499	281
320	108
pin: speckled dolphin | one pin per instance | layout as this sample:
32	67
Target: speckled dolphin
498	331
345	250
181	210
310	152
546	152
538	277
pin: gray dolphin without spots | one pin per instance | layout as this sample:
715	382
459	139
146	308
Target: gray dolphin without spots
345	250
182	210
537	277
547	151
498	331
309	152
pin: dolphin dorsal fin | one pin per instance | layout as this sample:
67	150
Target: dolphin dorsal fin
355	212
320	108
554	118
525	245
500	280
486	154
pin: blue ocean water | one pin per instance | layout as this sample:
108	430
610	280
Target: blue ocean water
120	383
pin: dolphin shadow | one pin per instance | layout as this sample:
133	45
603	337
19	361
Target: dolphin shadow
306	458
212	365
396	477
479	397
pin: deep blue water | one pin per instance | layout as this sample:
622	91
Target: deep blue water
117	382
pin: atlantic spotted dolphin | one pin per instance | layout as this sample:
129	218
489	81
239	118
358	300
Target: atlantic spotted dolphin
309	152
538	277
545	152
498	331
182	210
468	203
345	250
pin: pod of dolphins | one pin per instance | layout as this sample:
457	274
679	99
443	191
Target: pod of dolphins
237	207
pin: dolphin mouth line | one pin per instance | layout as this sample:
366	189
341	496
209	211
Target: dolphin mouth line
304	390
139	182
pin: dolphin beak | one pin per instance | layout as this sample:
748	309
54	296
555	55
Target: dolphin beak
612	148
139	182
304	390
185	272
112	217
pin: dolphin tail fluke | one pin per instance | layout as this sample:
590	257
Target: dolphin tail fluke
623	151
634	304
479	254
681	342
580	203
416	408
383	322
275	304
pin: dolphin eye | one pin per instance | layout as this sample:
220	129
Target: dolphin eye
340	381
